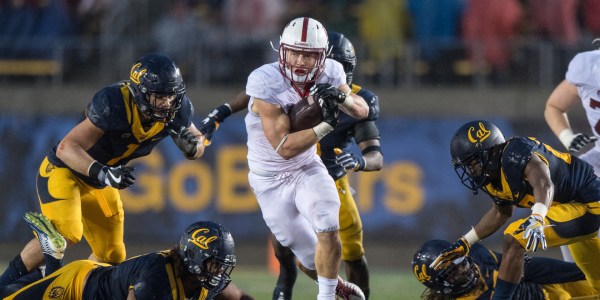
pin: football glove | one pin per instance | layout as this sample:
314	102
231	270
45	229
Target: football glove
330	112
534	233
210	124
350	161
327	92
118	177
185	141
459	249
579	141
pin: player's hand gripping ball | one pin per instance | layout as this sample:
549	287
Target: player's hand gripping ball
305	114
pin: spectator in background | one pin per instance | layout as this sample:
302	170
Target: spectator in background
488	26
555	19
382	24
435	25
176	34
590	10
34	28
249	24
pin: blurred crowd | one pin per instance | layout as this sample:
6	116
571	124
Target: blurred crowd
438	40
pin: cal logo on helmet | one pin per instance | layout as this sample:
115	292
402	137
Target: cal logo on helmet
200	239
136	73
478	135
422	274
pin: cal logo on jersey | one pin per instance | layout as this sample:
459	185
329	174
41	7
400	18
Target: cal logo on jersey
136	73
478	135
200	238
421	273
56	292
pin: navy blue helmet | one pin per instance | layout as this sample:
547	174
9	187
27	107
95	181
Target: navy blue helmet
342	51
457	279
156	74
208	252
471	151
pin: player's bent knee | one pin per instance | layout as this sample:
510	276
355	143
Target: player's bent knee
72	235
326	222
114	255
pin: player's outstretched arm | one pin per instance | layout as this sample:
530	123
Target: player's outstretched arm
562	100
210	124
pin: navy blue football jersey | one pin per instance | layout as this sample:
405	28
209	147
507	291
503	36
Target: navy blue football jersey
114	111
538	271
151	276
345	132
573	179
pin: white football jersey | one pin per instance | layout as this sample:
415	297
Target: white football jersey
267	83
584	73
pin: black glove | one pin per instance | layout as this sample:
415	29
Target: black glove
211	123
348	160
330	112
459	249
327	92
185	140
581	140
118	177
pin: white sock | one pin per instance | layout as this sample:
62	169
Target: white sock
326	288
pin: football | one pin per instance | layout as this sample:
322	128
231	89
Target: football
305	114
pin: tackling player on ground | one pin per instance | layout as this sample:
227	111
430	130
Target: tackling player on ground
561	190
198	268
474	276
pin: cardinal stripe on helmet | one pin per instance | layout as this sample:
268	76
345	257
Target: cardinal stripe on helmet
304	29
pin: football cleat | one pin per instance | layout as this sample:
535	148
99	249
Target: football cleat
52	242
281	293
348	291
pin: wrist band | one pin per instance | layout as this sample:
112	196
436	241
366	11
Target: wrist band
322	129
539	209
566	137
349	101
93	169
471	237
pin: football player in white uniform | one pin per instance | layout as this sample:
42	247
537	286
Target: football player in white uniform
297	197
581	86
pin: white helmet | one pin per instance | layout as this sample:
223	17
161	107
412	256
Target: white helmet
303	34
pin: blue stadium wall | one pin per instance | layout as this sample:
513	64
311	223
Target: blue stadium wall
417	195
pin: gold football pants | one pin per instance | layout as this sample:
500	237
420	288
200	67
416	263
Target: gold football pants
77	210
351	230
65	283
572	224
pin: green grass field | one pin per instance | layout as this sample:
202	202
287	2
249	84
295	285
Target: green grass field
385	284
